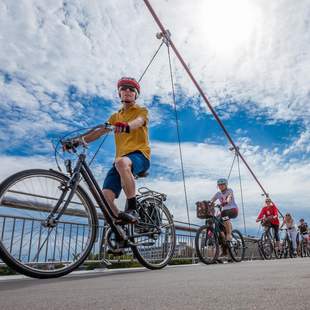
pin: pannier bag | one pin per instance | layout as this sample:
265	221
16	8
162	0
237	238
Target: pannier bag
205	209
150	215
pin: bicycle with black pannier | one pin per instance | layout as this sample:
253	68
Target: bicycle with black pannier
50	221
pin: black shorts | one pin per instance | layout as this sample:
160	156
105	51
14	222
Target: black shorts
229	214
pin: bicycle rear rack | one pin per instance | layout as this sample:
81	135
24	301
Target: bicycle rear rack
144	192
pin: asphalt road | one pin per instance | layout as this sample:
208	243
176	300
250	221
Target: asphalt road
278	284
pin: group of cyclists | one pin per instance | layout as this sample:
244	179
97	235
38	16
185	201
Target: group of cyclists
133	158
297	233
268	217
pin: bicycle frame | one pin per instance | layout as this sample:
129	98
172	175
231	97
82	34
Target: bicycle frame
82	169
217	221
270	232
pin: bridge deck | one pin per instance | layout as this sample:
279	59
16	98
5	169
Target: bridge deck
278	284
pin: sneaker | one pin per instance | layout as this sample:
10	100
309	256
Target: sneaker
130	216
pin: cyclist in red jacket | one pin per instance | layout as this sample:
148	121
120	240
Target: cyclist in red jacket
268	216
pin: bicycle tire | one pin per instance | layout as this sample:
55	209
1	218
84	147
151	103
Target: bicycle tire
284	249
303	250
152	254
237	242
35	175
266	246
277	253
290	248
213	239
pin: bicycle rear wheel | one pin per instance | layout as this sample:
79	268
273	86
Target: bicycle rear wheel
236	246
207	244
154	236
29	242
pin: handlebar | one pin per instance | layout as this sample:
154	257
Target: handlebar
72	143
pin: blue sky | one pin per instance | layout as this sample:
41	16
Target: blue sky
59	65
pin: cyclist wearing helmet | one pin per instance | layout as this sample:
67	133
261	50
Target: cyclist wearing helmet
132	149
289	222
229	207
268	216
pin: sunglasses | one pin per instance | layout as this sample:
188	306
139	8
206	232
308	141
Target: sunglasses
123	88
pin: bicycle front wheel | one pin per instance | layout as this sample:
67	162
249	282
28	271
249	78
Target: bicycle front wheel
236	246
284	249
207	245
154	237
32	243
303	248
266	246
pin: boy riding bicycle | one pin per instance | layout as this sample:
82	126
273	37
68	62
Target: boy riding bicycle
132	149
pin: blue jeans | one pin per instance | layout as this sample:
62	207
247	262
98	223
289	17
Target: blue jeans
113	180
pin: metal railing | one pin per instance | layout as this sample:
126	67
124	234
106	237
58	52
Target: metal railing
10	225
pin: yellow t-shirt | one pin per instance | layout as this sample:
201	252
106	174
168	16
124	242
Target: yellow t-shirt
137	139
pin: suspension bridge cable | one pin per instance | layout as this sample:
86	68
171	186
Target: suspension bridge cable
231	167
179	137
241	193
152	59
178	55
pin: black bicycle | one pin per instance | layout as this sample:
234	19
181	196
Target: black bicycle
267	242
286	249
208	239
50	221
303	245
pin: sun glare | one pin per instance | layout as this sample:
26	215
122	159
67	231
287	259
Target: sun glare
227	24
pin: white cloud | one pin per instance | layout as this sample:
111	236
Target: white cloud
300	145
52	45
13	164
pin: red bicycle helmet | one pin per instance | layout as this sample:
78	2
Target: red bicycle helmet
129	81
